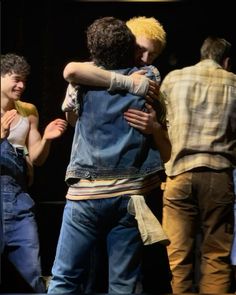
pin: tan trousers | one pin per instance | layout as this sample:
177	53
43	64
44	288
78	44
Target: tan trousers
193	202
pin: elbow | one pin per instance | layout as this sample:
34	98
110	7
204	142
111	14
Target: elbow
69	72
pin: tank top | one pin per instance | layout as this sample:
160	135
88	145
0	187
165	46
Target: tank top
19	132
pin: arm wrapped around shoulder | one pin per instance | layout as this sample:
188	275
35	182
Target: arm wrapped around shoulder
122	82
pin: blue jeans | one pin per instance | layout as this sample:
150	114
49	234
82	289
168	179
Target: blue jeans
19	230
155	262
83	223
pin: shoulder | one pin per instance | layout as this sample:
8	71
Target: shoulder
26	109
175	75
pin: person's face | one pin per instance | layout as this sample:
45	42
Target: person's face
147	50
12	86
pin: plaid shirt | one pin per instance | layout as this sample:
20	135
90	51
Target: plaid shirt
201	116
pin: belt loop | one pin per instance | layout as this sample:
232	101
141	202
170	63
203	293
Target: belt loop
19	152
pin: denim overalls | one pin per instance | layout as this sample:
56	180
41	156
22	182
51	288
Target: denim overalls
19	234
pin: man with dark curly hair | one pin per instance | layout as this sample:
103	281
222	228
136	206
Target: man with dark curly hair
112	166
22	146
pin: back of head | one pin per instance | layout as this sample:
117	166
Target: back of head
111	43
215	48
12	63
148	27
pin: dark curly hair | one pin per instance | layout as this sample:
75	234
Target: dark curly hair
12	63
111	43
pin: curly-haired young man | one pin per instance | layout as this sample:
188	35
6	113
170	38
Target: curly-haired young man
21	147
113	163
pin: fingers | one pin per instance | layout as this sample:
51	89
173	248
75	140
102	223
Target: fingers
141	72
60	122
153	90
149	98
55	129
149	107
132	118
54	126
135	112
7	119
139	127
154	85
9	116
139	118
61	125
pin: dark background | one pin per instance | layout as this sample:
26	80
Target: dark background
52	33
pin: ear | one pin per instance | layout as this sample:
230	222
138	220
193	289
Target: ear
226	64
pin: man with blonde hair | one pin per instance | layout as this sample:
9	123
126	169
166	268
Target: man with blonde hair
150	38
114	164
150	41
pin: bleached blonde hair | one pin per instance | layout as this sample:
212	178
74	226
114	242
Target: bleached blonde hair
148	27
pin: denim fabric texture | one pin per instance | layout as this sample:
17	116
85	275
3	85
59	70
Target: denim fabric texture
12	162
19	231
104	147
83	223
104	144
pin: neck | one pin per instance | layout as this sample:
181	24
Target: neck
6	105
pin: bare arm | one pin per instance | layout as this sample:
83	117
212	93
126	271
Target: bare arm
71	117
39	147
86	74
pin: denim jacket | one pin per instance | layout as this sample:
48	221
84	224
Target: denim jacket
105	146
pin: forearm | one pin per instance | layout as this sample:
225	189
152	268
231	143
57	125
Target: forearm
91	75
39	152
71	118
161	139
86	74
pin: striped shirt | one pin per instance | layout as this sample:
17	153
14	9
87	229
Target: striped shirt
96	189
201	116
